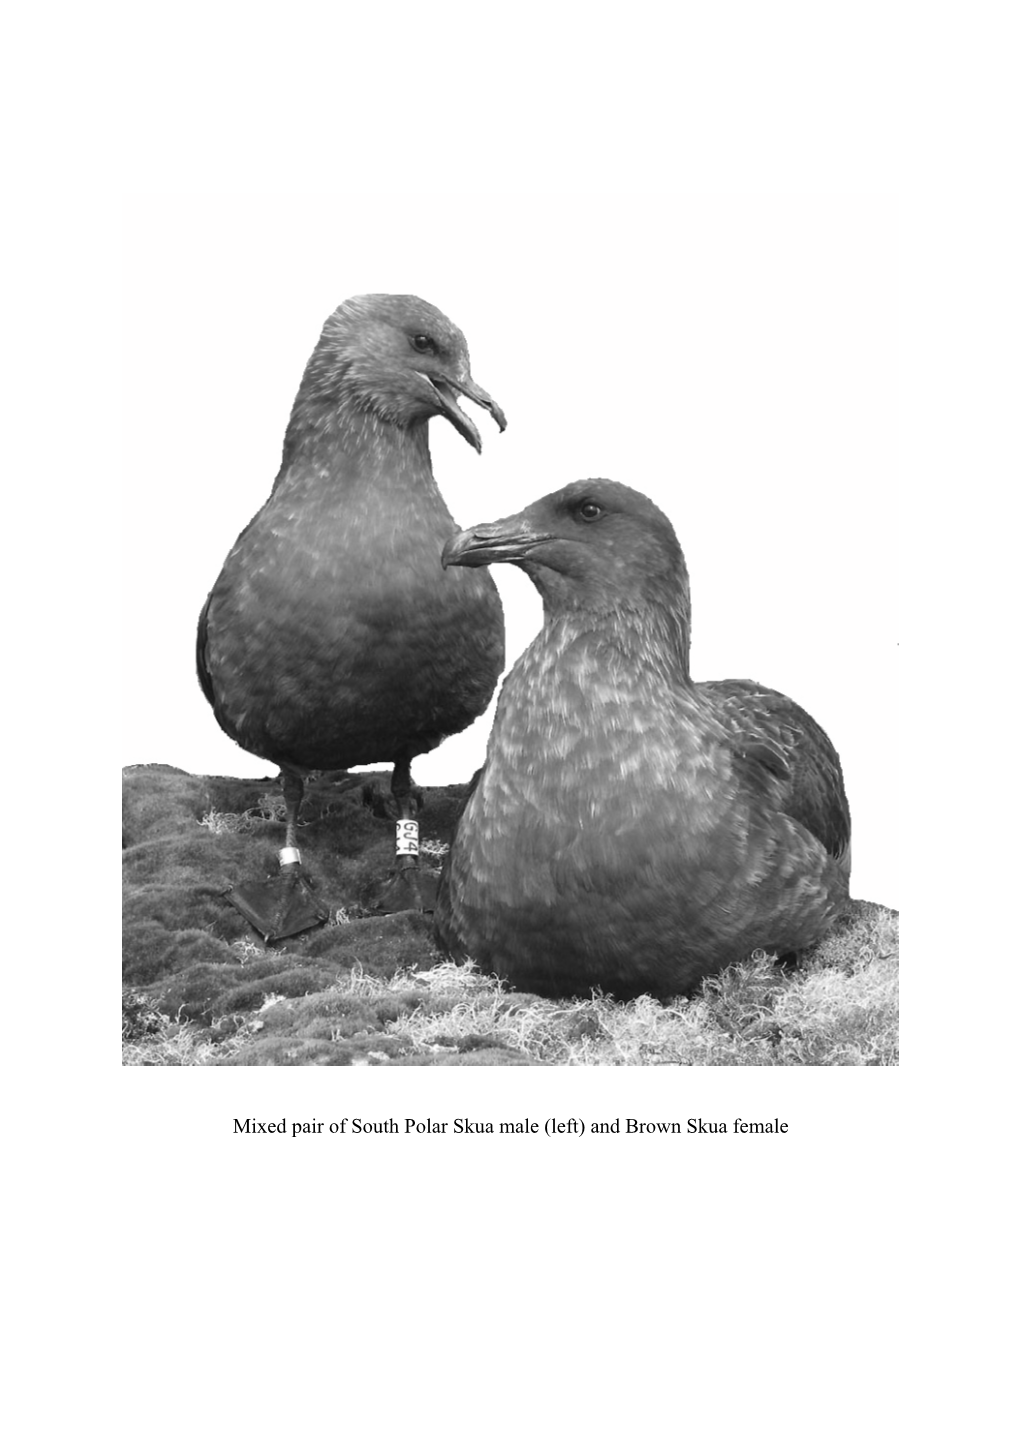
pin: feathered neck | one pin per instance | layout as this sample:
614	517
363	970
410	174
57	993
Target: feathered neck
652	638
349	444
653	625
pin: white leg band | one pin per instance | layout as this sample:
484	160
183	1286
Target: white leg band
288	855
407	839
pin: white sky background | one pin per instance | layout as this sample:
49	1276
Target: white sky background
734	357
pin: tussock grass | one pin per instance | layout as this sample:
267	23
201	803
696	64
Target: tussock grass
836	1010
754	1014
151	1039
369	991
270	808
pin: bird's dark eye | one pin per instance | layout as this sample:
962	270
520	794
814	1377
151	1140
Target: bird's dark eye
424	343
590	510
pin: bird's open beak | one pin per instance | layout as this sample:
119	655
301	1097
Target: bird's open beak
447	390
508	540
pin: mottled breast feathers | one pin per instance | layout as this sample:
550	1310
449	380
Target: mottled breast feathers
631	829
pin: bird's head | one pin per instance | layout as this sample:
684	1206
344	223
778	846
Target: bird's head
400	359
595	545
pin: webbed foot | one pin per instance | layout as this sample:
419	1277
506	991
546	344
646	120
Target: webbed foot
281	906
406	889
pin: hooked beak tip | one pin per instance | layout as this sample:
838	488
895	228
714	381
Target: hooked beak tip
449	556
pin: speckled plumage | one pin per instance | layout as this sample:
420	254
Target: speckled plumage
632	830
333	637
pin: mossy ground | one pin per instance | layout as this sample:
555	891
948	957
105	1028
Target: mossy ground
201	987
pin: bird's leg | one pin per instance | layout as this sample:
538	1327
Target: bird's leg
391	801
293	792
406	889
285	905
407	812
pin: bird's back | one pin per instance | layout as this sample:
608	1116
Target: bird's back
811	779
